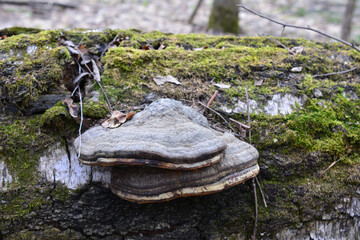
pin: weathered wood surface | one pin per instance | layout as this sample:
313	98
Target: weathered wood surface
300	125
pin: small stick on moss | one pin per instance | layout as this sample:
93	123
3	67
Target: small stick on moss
212	98
96	75
284	25
110	44
334	73
330	166
248	113
256	210
261	191
278	42
229	125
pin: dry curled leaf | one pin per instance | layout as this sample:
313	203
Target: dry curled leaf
259	82
160	80
222	85
96	71
162	46
117	118
296	50
73	109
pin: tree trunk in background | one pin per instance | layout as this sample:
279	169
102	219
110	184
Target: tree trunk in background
347	19
224	17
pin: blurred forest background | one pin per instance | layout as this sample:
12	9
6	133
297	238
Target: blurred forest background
336	17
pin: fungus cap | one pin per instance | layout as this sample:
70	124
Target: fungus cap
144	184
166	134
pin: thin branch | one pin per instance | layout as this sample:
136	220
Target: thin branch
110	44
278	42
212	98
334	73
248	113
256	210
229	125
34	3
198	5
81	121
261	191
300	27
102	89
330	166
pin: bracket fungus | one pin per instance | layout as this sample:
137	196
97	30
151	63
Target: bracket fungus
167	151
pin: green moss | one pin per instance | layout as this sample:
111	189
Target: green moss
39	72
18	30
20	143
94	110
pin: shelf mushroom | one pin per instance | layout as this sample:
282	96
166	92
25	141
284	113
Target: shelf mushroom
144	185
167	134
167	151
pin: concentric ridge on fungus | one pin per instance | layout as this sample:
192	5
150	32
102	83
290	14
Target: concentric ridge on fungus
166	134
144	185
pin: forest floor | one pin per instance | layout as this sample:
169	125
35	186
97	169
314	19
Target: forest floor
172	16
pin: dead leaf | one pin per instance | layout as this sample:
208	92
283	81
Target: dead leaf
162	46
96	71
259	82
296	69
145	47
3	37
296	50
199	49
117	118
222	85
73	109
160	80
76	81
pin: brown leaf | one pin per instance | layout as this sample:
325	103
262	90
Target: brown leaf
73	109
145	47
3	37
117	118
83	50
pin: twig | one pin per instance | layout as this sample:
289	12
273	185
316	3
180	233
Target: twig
81	121
212	98
334	73
229	125
248	113
110	44
34	3
330	166
198	5
300	27
261	191
98	81
241	127
256	210
278	42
